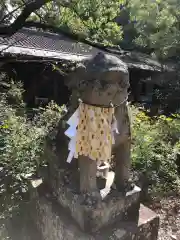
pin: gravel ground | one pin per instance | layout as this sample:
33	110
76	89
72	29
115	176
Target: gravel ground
168	210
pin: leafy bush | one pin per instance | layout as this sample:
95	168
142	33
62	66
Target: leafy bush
155	149
23	140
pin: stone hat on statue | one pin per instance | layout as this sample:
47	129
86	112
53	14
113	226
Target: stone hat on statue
99	67
105	63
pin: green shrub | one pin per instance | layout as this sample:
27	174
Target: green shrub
23	140
154	150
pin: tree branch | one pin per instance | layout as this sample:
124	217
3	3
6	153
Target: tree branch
36	13
9	14
26	12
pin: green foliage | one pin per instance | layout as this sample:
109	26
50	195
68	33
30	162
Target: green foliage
169	95
23	140
155	148
91	19
157	24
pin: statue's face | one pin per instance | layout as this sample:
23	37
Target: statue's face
102	80
105	88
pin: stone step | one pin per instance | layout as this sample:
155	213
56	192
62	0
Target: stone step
55	223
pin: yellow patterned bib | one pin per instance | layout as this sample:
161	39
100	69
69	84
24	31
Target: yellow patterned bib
94	132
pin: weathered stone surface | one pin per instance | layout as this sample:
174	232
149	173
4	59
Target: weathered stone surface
90	215
103	81
55	223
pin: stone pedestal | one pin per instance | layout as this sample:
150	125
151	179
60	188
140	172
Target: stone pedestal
66	216
92	216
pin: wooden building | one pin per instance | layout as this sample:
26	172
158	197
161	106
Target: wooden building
30	55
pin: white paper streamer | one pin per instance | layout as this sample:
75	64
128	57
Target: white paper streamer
70	157
114	130
71	133
74	119
114	126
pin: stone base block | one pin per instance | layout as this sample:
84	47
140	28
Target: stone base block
93	216
55	223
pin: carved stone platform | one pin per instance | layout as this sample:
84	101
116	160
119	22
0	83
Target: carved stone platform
55	223
91	215
117	217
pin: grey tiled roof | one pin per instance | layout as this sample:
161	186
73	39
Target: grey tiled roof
29	42
50	42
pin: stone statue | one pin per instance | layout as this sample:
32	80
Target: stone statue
103	81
